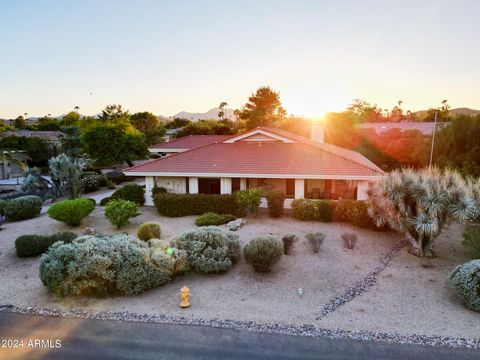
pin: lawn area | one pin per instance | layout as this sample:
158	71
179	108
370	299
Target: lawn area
412	295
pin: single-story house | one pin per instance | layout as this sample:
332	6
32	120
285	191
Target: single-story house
268	158
50	136
10	169
186	143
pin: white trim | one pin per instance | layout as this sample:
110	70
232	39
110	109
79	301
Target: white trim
156	150
258	176
258	131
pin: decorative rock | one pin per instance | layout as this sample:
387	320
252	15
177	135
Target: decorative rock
233	227
88	231
235	224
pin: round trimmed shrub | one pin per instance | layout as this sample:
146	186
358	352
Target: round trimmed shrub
131	192
71	212
118	264
209	249
24	207
92	182
105	201
149	230
263	252
211	218
275	200
34	245
465	281
118	212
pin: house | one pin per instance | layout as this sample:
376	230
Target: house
268	158
186	143
51	136
426	128
10	169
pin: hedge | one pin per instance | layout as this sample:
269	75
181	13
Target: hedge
275	201
131	192
319	210
175	205
210	218
354	212
34	245
25	207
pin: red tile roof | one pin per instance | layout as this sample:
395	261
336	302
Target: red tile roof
276	158
191	142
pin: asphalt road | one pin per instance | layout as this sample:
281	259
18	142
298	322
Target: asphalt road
102	339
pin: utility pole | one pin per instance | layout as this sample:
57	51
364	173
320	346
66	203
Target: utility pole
433	137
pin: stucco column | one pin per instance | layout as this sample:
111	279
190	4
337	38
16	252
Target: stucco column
299	188
362	188
243	184
148	190
193	185
225	186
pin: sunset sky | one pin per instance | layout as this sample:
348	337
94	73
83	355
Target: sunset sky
169	56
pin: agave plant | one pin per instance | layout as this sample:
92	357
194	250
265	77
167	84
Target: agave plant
420	203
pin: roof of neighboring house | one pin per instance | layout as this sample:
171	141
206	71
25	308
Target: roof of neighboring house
426	128
191	142
46	135
300	156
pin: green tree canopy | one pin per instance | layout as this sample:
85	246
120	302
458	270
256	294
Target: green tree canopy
149	125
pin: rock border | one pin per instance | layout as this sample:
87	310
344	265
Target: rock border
363	285
304	330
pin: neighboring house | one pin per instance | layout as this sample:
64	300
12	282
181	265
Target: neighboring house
267	158
170	134
426	128
50	136
9	169
186	143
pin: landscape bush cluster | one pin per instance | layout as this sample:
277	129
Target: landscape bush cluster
211	218
34	245
354	212
263	253
91	181
3	203
118	212
175	205
71	212
315	239
465	281
21	208
131	192
209	249
148	231
275	202
471	240
118	264
249	200
318	210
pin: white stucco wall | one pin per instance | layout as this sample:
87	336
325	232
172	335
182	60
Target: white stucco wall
362	190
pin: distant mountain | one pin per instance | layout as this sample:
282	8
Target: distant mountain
210	114
454	112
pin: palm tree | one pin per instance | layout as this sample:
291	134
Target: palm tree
76	108
419	204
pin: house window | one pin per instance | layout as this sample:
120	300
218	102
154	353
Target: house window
290	190
235	184
208	186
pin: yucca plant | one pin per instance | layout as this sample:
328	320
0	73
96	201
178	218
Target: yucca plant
420	203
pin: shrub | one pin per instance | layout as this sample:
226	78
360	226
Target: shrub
34	245
92	182
110	184
116	176
105	201
119	211
349	240
149	230
209	249
131	192
263	252
354	212
71	212
249	200
174	205
25	207
275	200
92	200
288	241
3	204
465	281
118	264
315	240
211	218
471	240
319	210
158	189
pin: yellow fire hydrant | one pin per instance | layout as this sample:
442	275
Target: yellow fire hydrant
184	294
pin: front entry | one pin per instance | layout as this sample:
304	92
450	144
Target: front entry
208	186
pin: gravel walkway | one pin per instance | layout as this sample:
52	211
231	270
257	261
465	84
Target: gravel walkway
305	330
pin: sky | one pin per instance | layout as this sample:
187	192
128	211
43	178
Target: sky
170	56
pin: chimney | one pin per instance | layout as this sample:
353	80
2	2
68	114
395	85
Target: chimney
317	133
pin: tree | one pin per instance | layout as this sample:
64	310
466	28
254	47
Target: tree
20	122
149	125
46	123
177	123
365	111
71	141
208	127
66	173
222	110
114	113
70	119
419	204
113	144
76	108
262	109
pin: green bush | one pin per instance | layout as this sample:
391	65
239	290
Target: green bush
288	241
91	181
25	207
105	201
275	200
471	240
465	281
211	218
119	211
149	230
110	184
175	205
118	264
34	245
71	212
249	200
209	249
315	239
3	204
354	212
158	189
116	177
131	192
319	210
263	252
